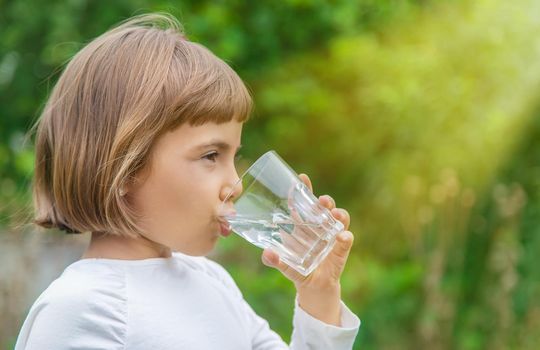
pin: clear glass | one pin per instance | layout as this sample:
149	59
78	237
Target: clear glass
277	211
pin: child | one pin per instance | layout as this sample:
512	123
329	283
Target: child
136	145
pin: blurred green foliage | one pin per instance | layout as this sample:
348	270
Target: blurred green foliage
37	38
419	117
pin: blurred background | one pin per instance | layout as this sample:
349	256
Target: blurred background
421	117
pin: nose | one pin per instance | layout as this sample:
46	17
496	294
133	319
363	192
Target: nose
232	190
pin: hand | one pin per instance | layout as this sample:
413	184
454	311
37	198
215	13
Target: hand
319	293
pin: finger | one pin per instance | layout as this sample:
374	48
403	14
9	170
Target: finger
343	216
271	259
340	252
344	242
327	202
306	180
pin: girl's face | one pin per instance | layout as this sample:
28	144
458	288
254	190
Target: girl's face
179	197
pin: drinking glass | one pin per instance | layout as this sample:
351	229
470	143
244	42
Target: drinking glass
277	210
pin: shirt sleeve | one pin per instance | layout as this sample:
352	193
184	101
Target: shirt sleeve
308	332
311	333
80	320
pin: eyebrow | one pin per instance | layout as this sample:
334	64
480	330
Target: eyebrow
221	145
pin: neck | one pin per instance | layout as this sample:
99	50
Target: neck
109	246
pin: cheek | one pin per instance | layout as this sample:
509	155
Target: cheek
177	197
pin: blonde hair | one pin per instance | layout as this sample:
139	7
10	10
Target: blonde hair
113	100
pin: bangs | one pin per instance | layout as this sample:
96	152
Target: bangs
204	89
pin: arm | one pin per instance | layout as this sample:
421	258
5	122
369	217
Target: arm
308	332
311	333
319	294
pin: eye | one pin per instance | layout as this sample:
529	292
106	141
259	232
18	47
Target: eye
212	156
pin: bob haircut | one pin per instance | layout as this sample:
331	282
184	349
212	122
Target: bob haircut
114	99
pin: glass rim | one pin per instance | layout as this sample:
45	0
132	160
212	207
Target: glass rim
263	158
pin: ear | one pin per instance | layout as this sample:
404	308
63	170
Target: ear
136	180
129	186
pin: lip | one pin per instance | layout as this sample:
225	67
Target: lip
224	228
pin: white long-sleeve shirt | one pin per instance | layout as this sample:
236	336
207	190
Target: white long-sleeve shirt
180	302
